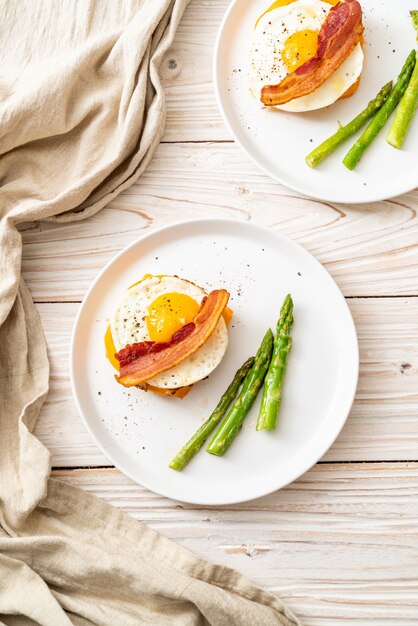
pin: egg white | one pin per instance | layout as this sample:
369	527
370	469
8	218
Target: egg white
268	68
128	325
333	88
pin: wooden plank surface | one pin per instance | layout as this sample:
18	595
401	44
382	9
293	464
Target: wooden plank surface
187	76
338	546
370	249
383	422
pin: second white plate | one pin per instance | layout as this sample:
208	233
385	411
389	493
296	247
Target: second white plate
279	142
141	432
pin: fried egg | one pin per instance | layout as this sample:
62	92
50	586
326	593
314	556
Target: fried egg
285	37
153	310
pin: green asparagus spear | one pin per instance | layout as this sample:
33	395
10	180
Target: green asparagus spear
344	132
198	439
232	423
273	382
408	104
354	155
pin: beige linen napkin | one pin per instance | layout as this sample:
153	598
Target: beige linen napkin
82	111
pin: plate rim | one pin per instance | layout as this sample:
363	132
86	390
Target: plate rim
317	196
303	468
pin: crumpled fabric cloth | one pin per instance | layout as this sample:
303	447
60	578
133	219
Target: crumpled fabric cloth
81	113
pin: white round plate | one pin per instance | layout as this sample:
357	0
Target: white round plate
278	142
140	432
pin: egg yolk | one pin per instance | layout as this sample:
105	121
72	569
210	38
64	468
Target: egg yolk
180	392
168	313
283	3
299	48
110	349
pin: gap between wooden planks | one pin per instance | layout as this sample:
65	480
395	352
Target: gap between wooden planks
370	250
338	544
382	423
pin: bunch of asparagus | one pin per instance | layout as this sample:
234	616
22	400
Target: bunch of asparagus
404	94
408	105
268	366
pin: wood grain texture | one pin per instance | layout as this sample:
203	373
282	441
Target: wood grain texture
339	544
187	76
369	249
383	423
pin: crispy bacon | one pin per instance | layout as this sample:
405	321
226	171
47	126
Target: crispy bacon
134	351
139	364
339	35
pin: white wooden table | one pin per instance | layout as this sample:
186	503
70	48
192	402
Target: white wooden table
341	543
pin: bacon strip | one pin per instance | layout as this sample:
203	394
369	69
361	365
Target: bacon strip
134	351
339	35
147	361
